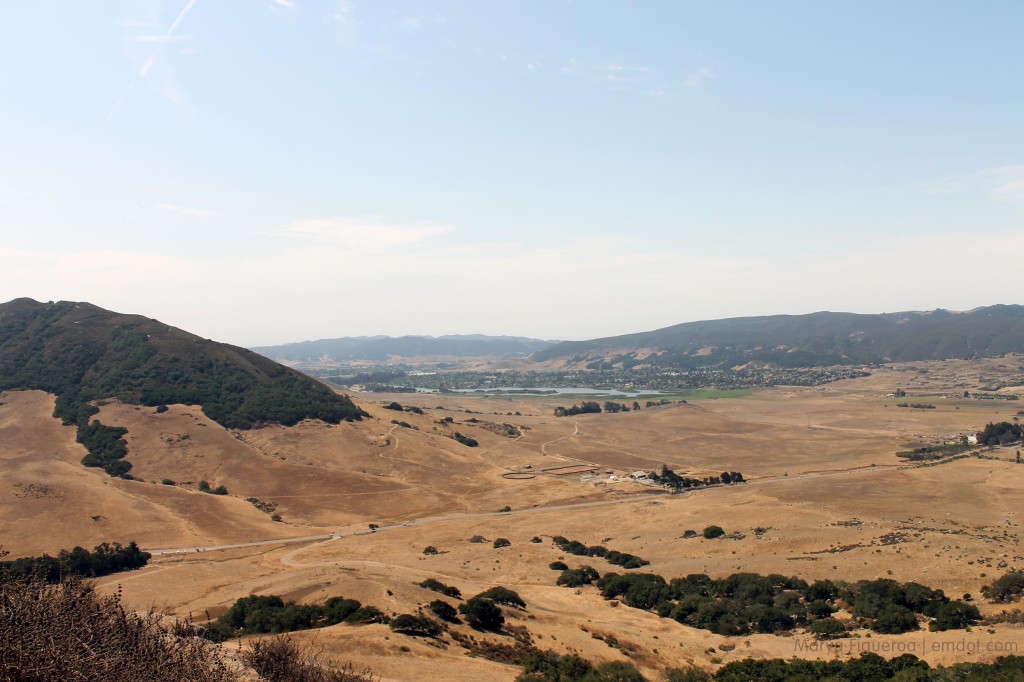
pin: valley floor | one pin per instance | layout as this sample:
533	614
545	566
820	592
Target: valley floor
826	498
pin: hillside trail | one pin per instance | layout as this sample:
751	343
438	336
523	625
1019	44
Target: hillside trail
575	432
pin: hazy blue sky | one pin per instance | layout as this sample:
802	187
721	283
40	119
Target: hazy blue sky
263	171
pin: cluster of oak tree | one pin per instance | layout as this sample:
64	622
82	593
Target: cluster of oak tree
745	603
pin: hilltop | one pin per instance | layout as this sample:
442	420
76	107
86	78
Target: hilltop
83	353
813	340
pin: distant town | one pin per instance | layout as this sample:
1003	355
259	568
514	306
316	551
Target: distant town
625	380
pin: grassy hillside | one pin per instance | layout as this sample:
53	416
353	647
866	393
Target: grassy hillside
83	353
818	339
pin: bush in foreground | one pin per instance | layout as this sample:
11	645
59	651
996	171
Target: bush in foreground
65	631
282	660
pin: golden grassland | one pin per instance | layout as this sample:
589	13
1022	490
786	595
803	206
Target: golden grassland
826	492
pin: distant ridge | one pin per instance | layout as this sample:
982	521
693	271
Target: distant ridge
82	353
382	348
816	339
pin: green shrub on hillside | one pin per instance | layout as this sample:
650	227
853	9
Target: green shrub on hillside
577	577
438	586
444	610
106	447
1008	588
258	614
482	614
504	596
468	441
415	626
611	556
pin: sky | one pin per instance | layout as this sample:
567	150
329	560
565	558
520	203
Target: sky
268	171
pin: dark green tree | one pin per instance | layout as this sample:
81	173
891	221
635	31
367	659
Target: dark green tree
482	614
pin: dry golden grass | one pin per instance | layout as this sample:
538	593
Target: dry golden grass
824	482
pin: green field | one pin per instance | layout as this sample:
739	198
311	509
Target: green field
706	394
684	394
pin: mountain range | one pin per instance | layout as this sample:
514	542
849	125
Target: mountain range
383	348
816	339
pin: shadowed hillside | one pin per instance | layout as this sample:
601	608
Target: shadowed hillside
817	339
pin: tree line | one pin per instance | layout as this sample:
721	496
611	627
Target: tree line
613	557
673	480
1002	433
594	407
746	603
104	559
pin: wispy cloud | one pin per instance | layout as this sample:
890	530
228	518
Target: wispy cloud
1010	185
409	24
1003	183
167	90
189	211
342	14
697	78
572	67
609	72
181	16
304	290
161	38
621	72
7	189
637	78
364	235
281	7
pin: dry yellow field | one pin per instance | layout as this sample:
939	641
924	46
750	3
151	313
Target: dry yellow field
825	489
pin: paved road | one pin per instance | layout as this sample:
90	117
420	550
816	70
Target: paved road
261	543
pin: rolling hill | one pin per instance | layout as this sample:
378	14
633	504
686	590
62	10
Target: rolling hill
83	353
816	339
